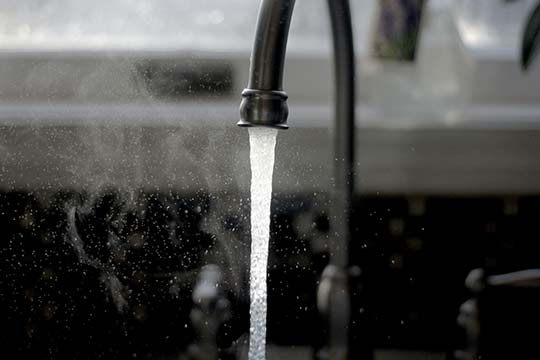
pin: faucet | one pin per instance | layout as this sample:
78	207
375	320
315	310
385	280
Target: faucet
264	103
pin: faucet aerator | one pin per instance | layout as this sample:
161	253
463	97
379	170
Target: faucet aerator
264	108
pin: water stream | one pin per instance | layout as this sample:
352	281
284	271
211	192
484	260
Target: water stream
262	143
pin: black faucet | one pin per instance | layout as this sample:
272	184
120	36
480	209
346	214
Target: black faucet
265	104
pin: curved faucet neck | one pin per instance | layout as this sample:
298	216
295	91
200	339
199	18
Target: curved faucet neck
270	45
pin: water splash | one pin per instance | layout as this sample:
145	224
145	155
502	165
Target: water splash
262	143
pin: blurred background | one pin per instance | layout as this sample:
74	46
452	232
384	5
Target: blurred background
122	174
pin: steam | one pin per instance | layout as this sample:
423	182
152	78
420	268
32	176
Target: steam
79	131
108	277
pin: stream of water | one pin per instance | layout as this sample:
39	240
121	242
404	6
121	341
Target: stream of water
262	143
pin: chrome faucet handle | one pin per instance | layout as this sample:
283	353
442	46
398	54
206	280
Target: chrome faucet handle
472	315
333	303
211	309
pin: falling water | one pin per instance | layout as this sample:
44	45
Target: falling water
262	144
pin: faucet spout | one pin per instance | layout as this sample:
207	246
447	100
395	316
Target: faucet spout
264	101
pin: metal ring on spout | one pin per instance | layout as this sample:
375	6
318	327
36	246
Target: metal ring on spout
264	108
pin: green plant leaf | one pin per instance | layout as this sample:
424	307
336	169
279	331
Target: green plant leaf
531	39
